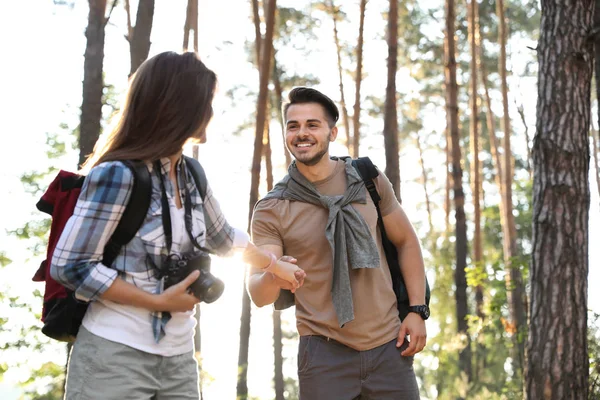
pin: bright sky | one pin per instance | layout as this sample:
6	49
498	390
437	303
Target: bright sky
40	77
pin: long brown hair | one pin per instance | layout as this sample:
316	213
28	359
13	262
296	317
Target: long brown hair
169	101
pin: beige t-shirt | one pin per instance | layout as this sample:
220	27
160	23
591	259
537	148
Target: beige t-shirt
300	229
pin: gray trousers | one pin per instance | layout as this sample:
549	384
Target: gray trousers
101	369
329	370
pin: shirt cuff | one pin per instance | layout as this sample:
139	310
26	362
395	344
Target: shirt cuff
98	281
240	238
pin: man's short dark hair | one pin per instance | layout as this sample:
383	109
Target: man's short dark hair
303	95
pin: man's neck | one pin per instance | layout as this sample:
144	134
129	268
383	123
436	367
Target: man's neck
319	171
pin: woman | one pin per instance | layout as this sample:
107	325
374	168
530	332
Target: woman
136	340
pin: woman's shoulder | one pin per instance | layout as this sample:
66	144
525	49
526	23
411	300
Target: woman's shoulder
111	173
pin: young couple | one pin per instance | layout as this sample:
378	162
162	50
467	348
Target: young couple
136	340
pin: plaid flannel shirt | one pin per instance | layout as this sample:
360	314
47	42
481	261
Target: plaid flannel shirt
77	259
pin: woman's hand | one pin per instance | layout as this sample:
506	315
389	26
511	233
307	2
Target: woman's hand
287	274
177	298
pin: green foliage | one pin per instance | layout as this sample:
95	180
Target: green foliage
45	383
4	260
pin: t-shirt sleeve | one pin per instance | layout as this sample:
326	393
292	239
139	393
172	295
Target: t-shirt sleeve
389	202
265	225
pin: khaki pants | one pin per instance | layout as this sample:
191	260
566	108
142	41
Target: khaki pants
329	370
101	369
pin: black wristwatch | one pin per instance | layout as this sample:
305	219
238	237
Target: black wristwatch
422	310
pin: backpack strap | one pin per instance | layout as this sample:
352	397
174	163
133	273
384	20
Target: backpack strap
135	211
368	172
198	174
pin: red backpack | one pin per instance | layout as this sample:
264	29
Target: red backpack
62	313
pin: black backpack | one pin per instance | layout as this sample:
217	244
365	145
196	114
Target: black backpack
368	172
62	313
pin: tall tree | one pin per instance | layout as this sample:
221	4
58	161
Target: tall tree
358	81
475	164
261	112
277	333
335	15
596	38
594	139
514	279
278	348
425	179
138	36
261	107
557	361
448	185
93	83
390	120
191	25
460	279
279	101
595	136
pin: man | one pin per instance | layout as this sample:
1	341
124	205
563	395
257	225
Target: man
352	342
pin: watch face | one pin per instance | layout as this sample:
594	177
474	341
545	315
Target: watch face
422	310
425	312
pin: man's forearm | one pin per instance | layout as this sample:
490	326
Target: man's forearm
263	289
413	272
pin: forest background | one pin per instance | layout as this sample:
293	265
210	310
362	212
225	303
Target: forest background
414	121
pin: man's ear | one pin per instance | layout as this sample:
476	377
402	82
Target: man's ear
334	132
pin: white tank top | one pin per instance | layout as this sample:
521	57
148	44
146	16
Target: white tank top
132	326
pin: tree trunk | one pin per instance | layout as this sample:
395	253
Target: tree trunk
246	317
557	362
242	381
279	97
93	84
139	41
521	111
268	155
447	200
491	128
594	139
494	145
261	114
596	134
425	180
345	118
278	348
191	24
390	121
460	278
475	164
476	184
358	81
277	334
257	34
261	108
514	280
